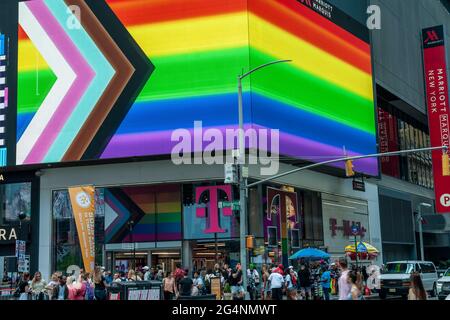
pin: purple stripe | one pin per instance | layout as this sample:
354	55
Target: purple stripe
157	143
84	76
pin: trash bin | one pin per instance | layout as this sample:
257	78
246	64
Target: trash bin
135	290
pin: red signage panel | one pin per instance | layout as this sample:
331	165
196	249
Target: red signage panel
436	82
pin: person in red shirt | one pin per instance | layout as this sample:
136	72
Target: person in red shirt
179	274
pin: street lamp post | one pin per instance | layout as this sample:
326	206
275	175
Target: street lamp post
419	223
130	228
242	179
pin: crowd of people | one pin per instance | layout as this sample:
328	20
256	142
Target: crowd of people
310	281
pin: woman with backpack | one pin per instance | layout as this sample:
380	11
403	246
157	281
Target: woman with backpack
100	284
291	284
23	290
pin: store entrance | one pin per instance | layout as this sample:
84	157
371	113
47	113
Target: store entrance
165	260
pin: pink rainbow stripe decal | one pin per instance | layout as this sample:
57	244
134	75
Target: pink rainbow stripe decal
84	72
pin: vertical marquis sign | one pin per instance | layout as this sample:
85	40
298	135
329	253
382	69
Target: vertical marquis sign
436	82
212	216
83	206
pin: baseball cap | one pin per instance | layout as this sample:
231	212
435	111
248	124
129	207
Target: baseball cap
145	268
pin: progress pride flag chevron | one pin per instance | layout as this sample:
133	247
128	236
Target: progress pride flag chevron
436	81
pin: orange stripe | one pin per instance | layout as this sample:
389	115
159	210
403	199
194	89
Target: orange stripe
305	29
136	12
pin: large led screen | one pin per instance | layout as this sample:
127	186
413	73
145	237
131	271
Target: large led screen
103	79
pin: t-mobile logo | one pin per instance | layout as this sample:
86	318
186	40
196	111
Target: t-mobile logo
213	219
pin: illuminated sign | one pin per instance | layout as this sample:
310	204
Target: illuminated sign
211	213
121	83
436	81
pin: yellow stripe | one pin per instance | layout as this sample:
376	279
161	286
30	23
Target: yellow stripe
280	44
192	35
29	58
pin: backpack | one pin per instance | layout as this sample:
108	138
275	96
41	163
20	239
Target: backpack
294	281
89	292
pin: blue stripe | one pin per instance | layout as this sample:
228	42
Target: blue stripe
23	120
2	44
2	157
221	110
167	227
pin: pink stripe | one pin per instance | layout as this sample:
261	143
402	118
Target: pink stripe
6	97
78	64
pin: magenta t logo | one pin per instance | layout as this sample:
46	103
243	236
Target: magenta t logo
212	224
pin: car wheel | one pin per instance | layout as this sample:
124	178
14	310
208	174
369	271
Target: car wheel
382	295
434	291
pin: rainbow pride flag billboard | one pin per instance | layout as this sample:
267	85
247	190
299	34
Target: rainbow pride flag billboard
106	79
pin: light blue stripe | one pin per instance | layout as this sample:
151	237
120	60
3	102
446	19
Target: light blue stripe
2	157
2	44
104	73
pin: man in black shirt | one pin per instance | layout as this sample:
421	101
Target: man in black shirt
186	284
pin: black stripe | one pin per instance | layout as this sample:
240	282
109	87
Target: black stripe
141	64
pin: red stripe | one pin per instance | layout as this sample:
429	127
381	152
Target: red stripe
317	19
22	34
305	29
136	12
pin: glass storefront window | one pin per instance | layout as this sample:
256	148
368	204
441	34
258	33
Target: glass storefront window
415	168
67	251
15	199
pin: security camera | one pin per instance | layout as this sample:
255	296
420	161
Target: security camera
39	173
22	216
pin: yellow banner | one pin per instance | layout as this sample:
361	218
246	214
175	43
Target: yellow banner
83	205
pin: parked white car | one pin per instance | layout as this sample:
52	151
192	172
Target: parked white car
443	285
396	277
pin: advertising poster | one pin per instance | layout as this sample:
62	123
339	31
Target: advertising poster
436	83
83	205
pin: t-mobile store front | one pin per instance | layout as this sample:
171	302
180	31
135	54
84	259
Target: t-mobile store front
150	225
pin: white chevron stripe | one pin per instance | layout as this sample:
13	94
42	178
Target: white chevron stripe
65	78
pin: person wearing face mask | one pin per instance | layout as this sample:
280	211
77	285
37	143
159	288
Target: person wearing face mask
61	291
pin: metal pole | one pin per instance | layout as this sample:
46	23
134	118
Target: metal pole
422	255
318	164
242	180
242	189
356	252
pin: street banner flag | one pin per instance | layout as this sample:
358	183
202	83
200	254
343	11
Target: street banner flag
83	206
436	82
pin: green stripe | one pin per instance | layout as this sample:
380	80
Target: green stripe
215	72
190	75
33	88
162	218
304	91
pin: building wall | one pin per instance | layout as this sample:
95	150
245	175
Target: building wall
164	172
397	52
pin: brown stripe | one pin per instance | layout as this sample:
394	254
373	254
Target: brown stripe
124	71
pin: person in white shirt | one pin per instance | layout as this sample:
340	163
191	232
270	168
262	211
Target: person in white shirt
147	274
276	284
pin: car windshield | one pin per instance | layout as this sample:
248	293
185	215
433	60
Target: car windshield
399	268
447	273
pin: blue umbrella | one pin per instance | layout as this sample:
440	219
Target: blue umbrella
310	253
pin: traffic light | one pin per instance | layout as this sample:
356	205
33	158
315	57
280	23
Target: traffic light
349	168
250	242
445	165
